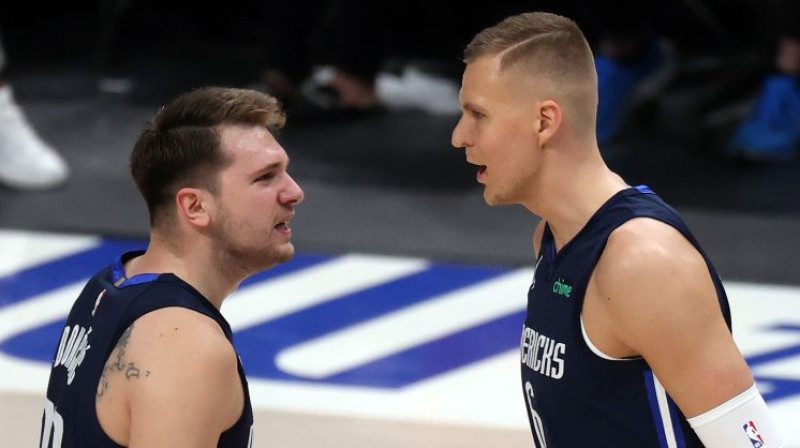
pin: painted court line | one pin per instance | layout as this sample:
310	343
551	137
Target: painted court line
289	293
408	327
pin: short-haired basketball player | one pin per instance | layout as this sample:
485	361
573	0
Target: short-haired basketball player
628	327
145	358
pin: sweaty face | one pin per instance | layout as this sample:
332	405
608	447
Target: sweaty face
256	200
497	130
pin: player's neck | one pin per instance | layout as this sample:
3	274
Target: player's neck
195	266
572	199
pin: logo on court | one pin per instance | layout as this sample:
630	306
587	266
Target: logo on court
290	345
288	340
753	434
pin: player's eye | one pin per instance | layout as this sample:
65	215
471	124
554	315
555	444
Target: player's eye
265	177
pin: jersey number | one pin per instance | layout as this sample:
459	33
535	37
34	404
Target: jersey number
536	420
53	425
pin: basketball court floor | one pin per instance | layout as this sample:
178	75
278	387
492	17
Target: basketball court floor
397	323
357	349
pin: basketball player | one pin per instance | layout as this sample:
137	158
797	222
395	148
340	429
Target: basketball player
145	359
628	327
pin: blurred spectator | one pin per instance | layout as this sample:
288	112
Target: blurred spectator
633	62
337	55
26	161
333	54
771	132
343	35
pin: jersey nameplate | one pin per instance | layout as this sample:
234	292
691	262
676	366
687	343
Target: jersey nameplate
72	349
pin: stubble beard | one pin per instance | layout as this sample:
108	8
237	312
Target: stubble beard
249	255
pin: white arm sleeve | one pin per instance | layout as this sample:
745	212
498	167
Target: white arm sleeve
741	422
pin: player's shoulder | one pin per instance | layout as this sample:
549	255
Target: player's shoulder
649	272
643	238
172	332
188	374
642	247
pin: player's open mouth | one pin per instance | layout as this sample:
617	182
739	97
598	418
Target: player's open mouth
283	227
481	172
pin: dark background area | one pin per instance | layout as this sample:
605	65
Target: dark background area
390	183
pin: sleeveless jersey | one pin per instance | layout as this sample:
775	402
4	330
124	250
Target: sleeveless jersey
575	396
107	306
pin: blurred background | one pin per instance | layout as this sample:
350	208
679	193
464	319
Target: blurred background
699	100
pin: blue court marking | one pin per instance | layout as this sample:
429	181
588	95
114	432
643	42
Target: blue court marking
777	388
297	263
439	356
259	345
61	272
39	343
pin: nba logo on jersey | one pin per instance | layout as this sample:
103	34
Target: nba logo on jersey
752	433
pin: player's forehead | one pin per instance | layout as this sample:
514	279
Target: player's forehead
481	73
248	139
249	147
485	82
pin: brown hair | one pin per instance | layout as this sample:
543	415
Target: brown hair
548	46
181	145
556	44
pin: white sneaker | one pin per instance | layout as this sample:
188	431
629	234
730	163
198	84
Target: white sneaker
419	90
26	161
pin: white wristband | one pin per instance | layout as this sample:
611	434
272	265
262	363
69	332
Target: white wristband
741	422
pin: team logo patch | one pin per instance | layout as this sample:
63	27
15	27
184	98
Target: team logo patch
562	288
753	434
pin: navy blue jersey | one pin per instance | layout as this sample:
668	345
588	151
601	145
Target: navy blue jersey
107	306
575	395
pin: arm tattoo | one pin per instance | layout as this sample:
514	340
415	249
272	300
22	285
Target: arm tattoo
120	364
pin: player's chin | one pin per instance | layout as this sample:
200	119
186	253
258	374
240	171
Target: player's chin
285	252
492	199
275	256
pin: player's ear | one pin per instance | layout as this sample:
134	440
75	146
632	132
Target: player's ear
193	206
550	116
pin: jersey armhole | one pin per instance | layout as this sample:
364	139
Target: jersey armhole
593	348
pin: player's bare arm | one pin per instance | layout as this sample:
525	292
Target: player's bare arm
652	295
171	381
119	366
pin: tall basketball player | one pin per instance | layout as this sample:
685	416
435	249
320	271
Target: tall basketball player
627	338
